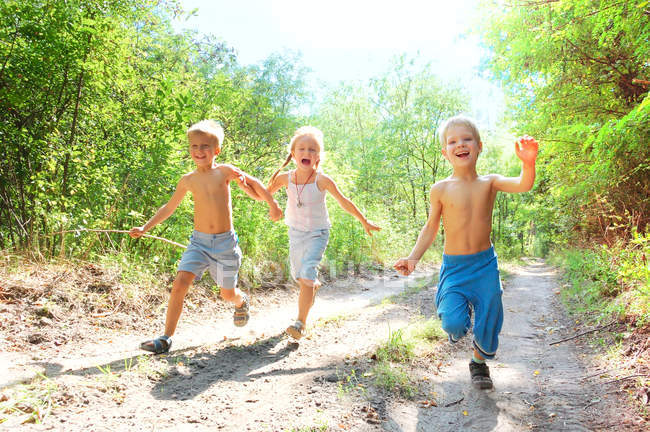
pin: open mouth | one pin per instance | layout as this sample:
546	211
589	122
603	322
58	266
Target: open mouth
462	155
305	161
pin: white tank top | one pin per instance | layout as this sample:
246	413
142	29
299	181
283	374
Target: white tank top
311	212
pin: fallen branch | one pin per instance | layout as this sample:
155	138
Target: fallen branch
626	377
120	231
583	333
454	403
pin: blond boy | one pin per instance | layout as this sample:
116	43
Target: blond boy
214	243
469	274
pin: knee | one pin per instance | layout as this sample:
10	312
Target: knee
454	326
306	283
182	284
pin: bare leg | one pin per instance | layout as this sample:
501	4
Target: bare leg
305	299
477	355
233	295
180	287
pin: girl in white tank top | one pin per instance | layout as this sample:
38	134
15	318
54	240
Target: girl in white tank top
307	217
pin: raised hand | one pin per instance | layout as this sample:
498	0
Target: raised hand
526	148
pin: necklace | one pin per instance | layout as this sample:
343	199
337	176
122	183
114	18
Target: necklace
299	191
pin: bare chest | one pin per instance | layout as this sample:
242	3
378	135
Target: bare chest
463	201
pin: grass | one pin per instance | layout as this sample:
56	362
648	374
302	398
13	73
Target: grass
391	371
607	282
28	403
350	382
332	320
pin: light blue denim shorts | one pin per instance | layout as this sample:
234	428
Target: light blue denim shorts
219	253
306	250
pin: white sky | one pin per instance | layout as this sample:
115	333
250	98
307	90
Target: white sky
353	40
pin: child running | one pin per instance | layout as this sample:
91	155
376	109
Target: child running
469	274
307	217
214	244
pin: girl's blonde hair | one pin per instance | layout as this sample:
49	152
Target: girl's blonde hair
461	120
311	131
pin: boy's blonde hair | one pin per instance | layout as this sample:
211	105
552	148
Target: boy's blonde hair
459	120
311	131
208	127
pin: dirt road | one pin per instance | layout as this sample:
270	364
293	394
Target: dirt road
219	377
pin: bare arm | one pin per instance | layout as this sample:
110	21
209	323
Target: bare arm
526	149
281	180
348	205
254	189
428	233
163	212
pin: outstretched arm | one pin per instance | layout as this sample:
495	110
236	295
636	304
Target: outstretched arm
163	212
405	266
526	149
348	205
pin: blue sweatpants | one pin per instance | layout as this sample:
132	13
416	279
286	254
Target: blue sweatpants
471	280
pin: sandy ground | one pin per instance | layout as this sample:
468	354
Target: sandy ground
219	377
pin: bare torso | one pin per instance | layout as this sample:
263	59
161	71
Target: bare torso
212	207
467	213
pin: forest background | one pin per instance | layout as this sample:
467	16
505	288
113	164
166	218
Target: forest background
95	99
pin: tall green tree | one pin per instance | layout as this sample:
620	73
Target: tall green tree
576	73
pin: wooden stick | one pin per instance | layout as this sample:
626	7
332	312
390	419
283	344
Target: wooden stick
120	231
583	333
627	377
640	81
454	402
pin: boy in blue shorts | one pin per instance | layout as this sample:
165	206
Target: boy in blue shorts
214	244
469	274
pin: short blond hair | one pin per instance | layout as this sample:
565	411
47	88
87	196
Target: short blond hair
208	127
459	120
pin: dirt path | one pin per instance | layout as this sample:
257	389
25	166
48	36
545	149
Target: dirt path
222	378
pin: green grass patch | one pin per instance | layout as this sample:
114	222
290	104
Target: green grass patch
394	356
28	403
609	280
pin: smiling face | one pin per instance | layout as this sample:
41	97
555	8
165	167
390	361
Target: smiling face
461	146
306	152
203	148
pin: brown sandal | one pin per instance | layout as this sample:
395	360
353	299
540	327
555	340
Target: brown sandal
241	315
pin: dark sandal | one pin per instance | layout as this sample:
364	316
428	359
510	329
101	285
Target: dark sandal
241	315
480	374
159	345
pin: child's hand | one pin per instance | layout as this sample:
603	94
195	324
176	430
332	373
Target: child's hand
275	212
526	149
240	178
136	232
370	227
405	266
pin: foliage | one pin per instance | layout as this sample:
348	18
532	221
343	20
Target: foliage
610	280
95	99
381	139
572	71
